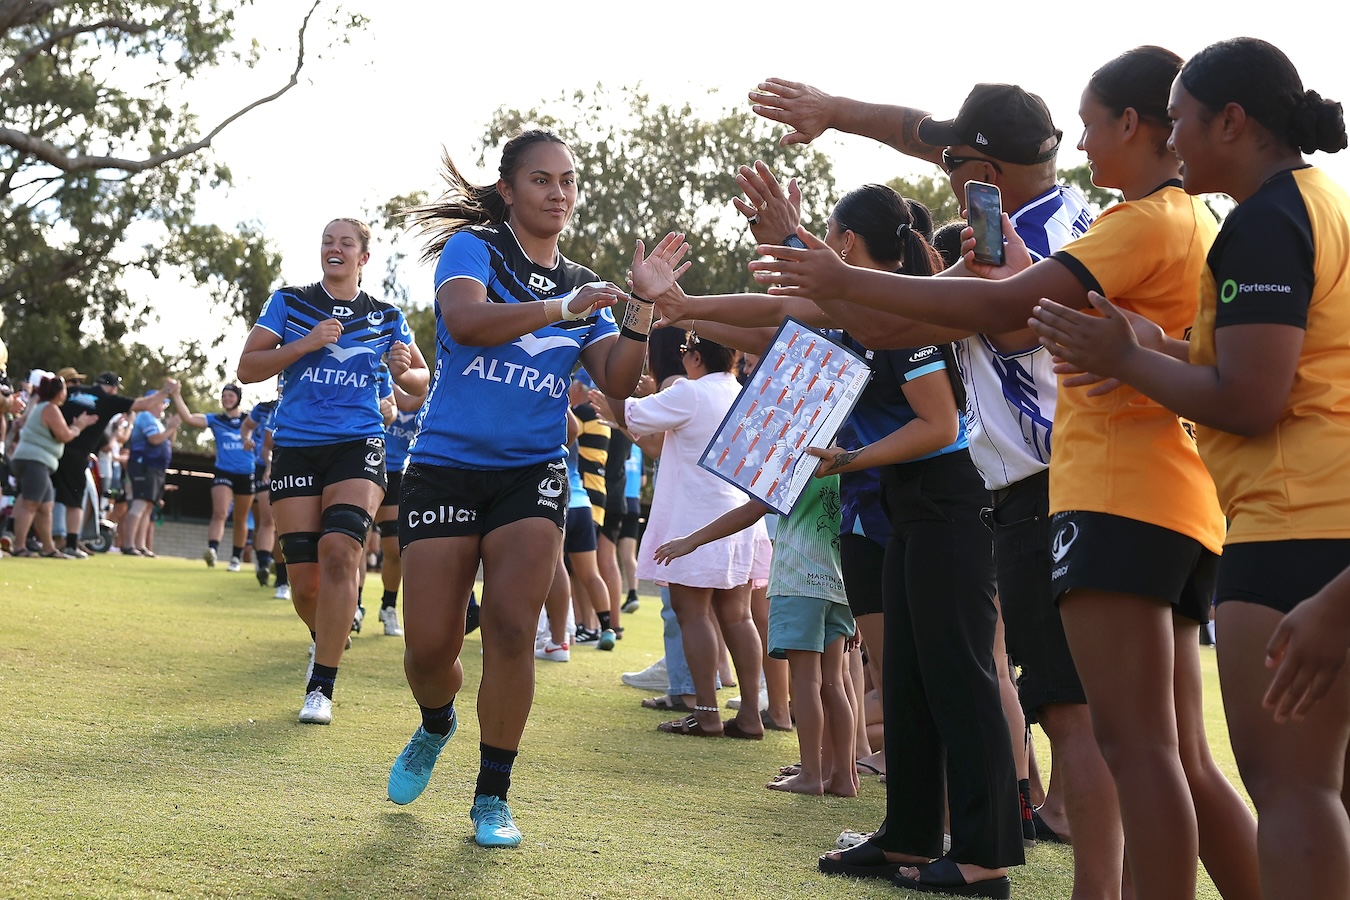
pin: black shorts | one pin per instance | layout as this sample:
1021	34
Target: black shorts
391	495
306	471
579	535
68	480
442	501
860	559
631	526
615	508
260	483
1280	574
1033	630
147	482
239	483
1103	552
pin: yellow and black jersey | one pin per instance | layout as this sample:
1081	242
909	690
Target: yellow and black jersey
593	446
1121	453
1283	257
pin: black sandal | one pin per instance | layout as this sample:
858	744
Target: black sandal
687	726
866	860
941	876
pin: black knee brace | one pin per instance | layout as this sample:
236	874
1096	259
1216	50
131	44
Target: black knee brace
388	528
344	518
300	546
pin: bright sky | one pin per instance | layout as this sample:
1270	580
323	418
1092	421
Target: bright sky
369	119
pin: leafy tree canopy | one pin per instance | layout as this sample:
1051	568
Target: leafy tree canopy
101	162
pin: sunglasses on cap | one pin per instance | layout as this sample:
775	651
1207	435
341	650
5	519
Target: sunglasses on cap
690	343
951	162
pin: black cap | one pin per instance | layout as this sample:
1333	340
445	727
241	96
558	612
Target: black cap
1002	120
112	379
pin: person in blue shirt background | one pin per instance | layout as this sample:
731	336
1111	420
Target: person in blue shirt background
233	475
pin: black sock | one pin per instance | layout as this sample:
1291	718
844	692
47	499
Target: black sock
1024	788
264	559
494	770
439	720
389	600
321	679
632	596
236	552
214	545
281	574
72	540
604	620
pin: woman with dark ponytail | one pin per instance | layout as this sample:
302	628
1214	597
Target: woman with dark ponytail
1266	378
487	480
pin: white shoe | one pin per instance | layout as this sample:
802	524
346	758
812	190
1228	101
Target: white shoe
210	557
318	709
234	565
735	702
389	616
283	592
652	678
553	652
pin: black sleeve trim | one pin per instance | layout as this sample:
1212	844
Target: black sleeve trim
1079	271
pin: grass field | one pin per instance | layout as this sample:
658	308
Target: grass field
149	748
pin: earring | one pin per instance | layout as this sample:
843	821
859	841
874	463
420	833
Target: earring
843	257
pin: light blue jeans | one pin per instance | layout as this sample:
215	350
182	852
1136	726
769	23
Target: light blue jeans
681	681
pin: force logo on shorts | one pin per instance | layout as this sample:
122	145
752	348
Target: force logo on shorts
374	455
1059	548
552	487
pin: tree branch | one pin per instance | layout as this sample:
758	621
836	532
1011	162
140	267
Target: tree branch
56	37
18	13
49	153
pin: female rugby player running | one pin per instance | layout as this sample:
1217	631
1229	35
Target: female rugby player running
328	443
487	483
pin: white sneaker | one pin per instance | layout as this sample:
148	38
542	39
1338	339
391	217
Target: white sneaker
652	678
389	616
210	557
735	702
234	565
553	652
283	592
318	709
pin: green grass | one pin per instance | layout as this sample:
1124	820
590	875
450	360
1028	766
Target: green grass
150	748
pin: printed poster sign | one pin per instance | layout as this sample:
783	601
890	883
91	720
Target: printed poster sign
799	395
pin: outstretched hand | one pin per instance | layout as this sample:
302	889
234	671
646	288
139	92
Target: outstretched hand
803	108
1307	652
1097	344
672	309
773	212
816	272
652	275
674	549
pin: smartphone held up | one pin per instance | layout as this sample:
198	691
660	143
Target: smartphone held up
984	210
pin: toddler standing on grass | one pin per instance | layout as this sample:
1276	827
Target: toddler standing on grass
809	625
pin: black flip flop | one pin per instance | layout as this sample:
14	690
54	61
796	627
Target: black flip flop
866	860
941	876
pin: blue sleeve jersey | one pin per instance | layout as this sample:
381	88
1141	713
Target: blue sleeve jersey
398	435
632	469
261	416
882	408
331	395
230	453
503	407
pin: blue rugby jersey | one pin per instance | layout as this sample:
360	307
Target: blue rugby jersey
261	416
230	453
504	406
332	394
